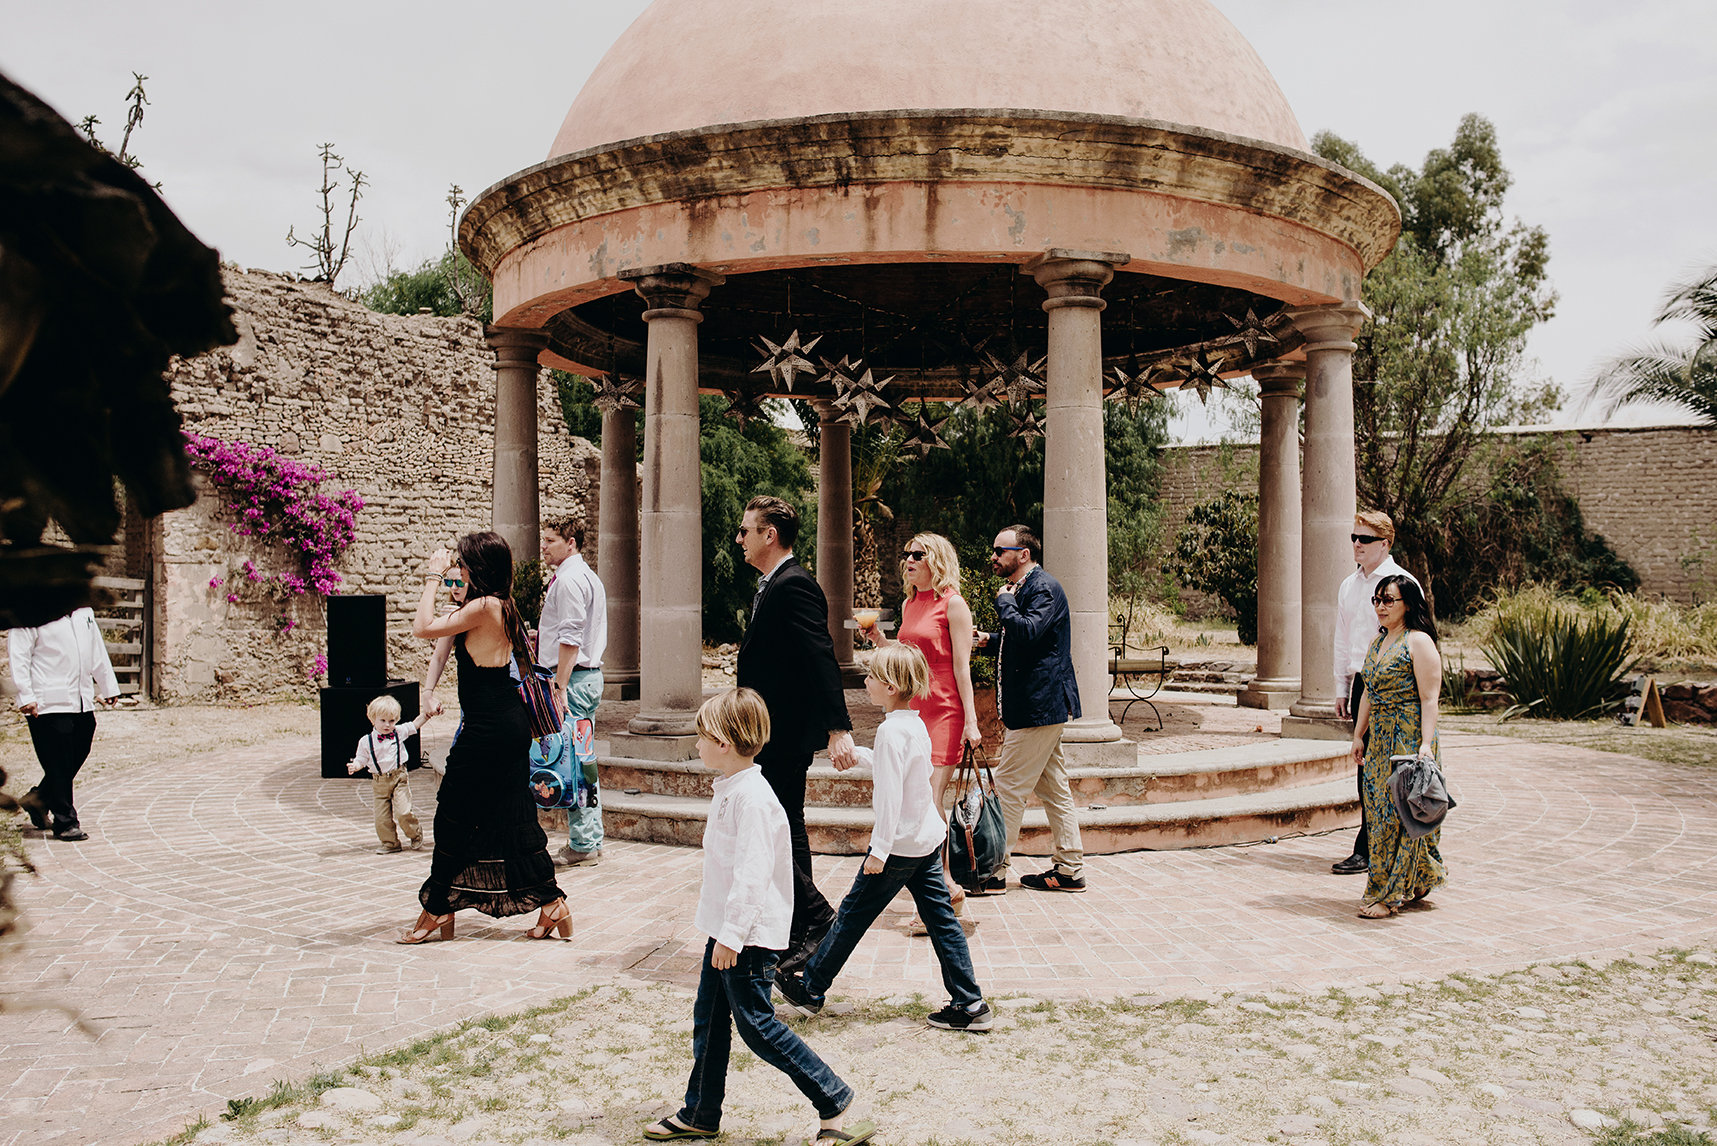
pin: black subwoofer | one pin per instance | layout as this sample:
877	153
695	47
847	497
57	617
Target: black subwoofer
357	641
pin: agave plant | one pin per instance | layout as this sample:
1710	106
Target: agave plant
1562	662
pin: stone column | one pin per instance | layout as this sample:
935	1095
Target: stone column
835	529
1277	684
1075	493
617	551
671	534
516	513
1328	500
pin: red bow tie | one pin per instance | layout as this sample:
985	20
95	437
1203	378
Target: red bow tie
386	735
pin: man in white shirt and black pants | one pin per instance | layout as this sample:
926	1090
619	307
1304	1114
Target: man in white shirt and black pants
571	636
1355	629
61	670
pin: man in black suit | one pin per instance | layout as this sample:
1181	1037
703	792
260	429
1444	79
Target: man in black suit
788	658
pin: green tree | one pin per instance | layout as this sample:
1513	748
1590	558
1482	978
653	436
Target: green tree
1444	357
739	464
1216	552
1659	372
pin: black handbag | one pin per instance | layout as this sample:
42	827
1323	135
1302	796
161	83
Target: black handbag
977	836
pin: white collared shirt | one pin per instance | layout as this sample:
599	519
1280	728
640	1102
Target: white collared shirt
380	755
62	665
747	897
575	612
1356	621
907	823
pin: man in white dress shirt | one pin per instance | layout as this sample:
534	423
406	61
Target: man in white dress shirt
571	636
1355	629
61	670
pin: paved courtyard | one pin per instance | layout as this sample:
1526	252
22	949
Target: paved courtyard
227	924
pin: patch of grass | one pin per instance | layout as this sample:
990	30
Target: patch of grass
1677	744
1632	1134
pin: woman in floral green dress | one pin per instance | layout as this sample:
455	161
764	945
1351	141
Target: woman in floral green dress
1403	675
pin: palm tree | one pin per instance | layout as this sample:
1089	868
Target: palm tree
1658	372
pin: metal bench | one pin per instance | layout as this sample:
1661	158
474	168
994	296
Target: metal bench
1132	674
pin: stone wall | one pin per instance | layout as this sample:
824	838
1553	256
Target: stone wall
399	408
1651	492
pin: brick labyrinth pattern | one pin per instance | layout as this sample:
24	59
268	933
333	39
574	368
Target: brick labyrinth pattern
227	925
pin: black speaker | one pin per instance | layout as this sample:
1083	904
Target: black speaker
357	641
344	723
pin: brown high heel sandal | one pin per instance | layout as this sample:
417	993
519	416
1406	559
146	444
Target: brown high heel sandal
427	925
549	922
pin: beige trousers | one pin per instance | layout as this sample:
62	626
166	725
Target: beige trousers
393	798
1031	764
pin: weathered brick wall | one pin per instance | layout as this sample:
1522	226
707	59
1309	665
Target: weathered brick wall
1650	491
399	408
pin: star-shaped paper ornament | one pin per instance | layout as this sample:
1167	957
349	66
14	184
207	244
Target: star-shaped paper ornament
981	393
1019	379
616	392
744	404
1251	332
1026	423
1133	385
863	401
842	373
1201	376
786	362
923	435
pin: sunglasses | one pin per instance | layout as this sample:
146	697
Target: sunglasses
453	582
998	550
913	555
1380	600
1363	538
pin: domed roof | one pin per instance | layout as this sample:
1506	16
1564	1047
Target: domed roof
687	64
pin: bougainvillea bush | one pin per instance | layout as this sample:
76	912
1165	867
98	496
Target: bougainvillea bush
281	500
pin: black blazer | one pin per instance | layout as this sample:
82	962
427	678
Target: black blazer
787	656
1036	684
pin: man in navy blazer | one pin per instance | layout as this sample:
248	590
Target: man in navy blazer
1037	694
787	656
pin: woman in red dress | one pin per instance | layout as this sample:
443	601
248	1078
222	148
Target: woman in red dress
937	619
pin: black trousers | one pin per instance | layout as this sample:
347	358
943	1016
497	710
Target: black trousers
1361	842
62	741
812	916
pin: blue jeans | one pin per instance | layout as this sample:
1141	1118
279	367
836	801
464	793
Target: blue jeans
583	694
742	994
870	896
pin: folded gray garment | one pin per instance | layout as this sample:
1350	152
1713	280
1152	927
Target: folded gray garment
1421	798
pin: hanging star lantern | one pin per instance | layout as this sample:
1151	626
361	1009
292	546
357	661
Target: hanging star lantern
1021	379
1201	376
980	394
863	402
616	392
1026	423
1133	385
787	361
744	404
1251	332
840	374
923	435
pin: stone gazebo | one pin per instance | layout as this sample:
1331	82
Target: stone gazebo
947	195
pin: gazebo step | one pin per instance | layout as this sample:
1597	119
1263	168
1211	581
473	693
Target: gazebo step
1186	823
1167	777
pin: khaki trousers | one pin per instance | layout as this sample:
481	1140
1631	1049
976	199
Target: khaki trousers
1031	764
393	798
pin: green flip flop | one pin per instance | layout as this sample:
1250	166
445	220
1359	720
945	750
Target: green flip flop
860	1132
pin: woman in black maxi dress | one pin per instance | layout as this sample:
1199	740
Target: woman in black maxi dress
490	852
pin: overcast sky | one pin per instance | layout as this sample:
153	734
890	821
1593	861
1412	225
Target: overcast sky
1604	112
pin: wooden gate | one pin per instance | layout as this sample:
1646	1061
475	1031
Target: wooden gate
126	632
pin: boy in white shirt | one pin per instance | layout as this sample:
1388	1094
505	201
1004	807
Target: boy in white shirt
383	753
746	909
905	851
